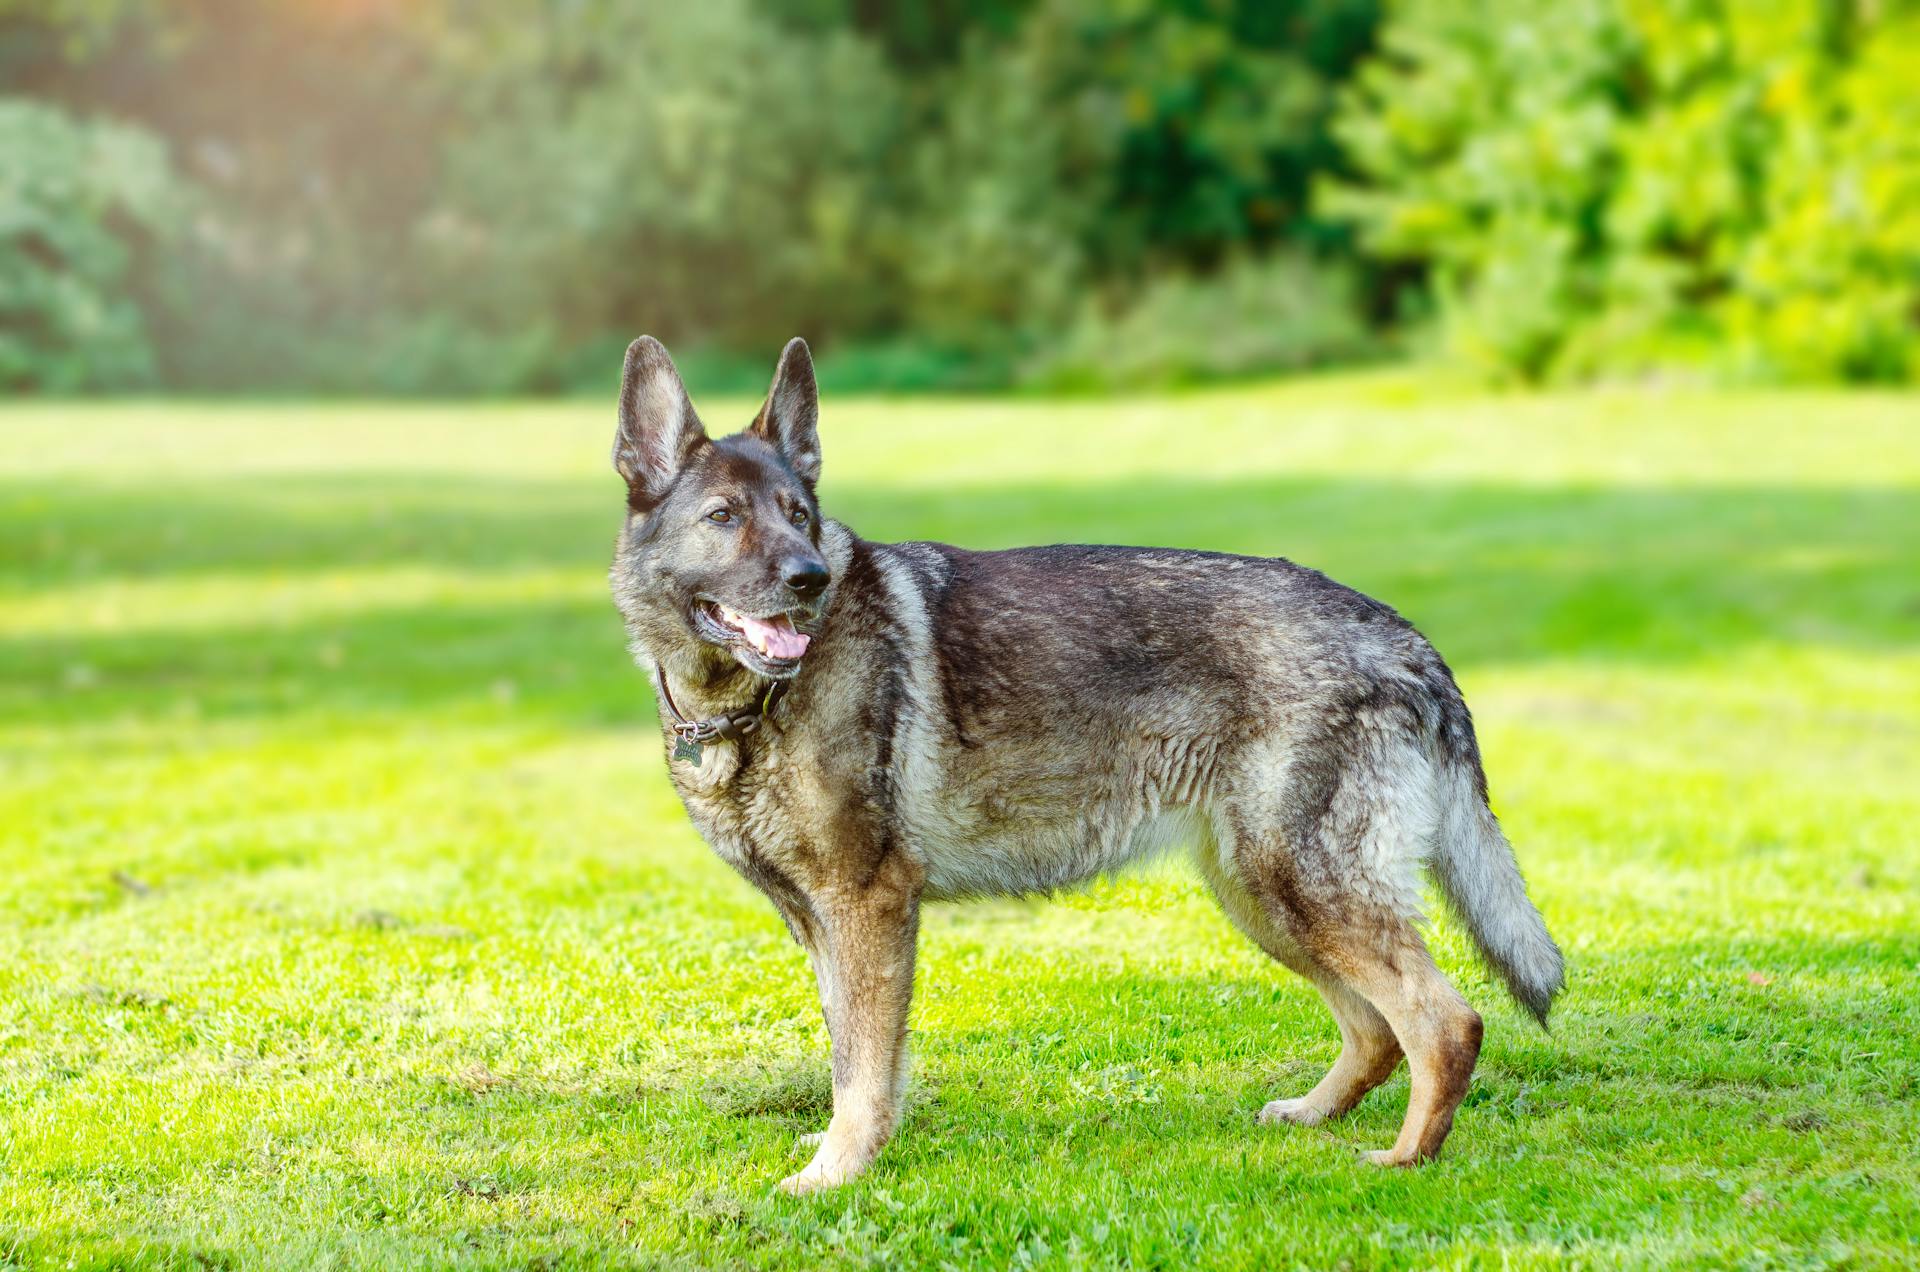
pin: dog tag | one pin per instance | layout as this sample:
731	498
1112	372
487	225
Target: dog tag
686	749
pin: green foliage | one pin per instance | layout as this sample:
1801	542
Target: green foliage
1614	187
481	196
701	172
1105	143
469	196
77	199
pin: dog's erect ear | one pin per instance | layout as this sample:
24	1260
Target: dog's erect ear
791	417
658	430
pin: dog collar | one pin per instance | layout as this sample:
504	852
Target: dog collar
690	735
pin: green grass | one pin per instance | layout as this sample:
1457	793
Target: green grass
347	919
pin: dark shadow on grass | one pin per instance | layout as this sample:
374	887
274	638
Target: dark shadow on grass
516	661
1492	573
71	531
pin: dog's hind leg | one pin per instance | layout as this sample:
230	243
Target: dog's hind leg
1369	1052
1440	1033
1330	855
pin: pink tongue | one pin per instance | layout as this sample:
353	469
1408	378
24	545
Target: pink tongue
776	637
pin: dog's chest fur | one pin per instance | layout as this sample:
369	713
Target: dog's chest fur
787	811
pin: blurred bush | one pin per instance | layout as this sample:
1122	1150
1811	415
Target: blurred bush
1605	188
1283	311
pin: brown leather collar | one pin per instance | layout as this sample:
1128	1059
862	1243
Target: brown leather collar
690	735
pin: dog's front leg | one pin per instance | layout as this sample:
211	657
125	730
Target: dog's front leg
864	960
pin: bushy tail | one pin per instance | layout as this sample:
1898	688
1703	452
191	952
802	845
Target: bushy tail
1474	866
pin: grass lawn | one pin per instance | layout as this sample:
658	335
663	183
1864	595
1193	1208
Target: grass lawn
347	918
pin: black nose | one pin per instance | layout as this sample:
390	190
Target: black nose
807	576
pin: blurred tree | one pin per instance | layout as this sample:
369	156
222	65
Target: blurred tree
310	131
76	199
695	171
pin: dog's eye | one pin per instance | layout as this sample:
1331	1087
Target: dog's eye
720	517
799	517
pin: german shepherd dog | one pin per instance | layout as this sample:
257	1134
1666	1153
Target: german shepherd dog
858	728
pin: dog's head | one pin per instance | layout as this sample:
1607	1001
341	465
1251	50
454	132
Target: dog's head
720	556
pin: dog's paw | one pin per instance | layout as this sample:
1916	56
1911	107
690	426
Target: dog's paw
1391	1157
815	1178
1292	1113
813	1140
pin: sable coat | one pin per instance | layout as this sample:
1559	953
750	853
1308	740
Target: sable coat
961	723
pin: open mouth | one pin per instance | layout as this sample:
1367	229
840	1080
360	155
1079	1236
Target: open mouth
770	644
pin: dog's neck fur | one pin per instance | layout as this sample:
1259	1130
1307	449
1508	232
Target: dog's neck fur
703	685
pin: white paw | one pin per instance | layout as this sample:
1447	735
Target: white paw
1292	1112
1388	1157
813	1140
